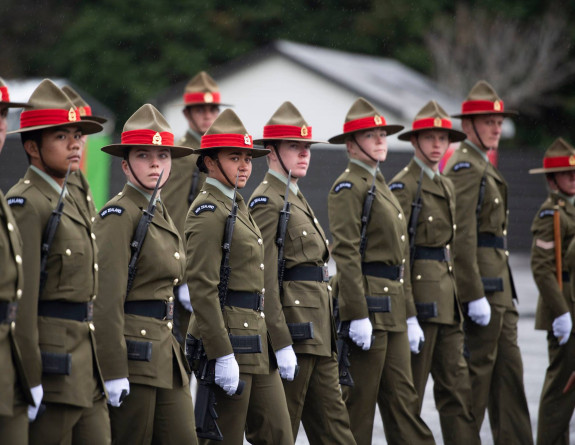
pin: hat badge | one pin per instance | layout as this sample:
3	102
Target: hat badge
208	97
497	105
377	120
304	131
572	160
437	122
247	139
157	139
82	111
72	117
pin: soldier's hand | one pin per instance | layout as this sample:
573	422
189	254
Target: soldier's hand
184	297
360	333
562	327
479	311
287	362
415	335
117	389
37	394
227	374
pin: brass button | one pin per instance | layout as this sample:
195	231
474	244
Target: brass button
18	259
170	299
263	290
96	267
403	260
10	227
260	242
296	302
19	293
400	216
68	252
265	182
430	218
496	200
204	192
329	288
245	324
304	233
13	324
88	198
507	252
26	181
176	281
386	289
315	220
263	315
450	268
454	227
402	237
327	242
169	325
418	277
504	232
120	194
177	255
401	280
464	150
94	297
347	170
262	266
93	218
93	235
92	327
143	332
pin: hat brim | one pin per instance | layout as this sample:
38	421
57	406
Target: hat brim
85	126
194	104
99	119
119	149
535	171
308	141
454	135
15	104
256	152
507	113
390	129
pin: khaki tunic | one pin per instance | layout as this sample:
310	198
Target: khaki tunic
495	363
555	408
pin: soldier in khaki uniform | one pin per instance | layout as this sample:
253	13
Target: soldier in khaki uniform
303	304
556	307
431	230
202	101
373	293
74	392
135	340
15	393
484	281
225	155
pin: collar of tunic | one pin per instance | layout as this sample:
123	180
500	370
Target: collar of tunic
46	177
293	187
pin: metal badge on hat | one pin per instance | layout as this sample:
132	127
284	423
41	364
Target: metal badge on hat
377	119
497	105
247	139
157	139
437	122
208	97
304	131
72	117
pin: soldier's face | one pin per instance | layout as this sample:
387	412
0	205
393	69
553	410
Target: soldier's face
3	124
566	182
201	117
373	142
430	146
295	156
146	164
233	162
488	128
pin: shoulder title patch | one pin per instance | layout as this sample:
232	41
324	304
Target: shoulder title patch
208	206
16	201
342	185
258	200
396	186
111	210
546	212
461	165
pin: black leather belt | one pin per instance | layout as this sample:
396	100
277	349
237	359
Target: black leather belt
8	311
162	310
66	310
307	273
247	300
490	240
382	270
565	276
431	253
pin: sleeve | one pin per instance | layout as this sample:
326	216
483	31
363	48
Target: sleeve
204	255
344	210
266	217
543	263
113	233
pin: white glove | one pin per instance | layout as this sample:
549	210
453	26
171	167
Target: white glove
287	362
479	311
227	374
37	394
415	334
184	297
562	327
115	388
360	333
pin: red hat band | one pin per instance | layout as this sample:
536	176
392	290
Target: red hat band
147	137
86	110
286	131
57	116
207	98
431	122
559	161
364	122
482	106
4	96
227	140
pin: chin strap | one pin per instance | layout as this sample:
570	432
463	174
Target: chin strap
232	184
361	148
418	147
477	135
49	170
138	179
287	171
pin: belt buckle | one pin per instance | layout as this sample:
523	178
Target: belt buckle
11	311
89	311
401	271
260	302
325	273
447	254
169	310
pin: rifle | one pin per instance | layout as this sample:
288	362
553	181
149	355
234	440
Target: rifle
50	233
412	228
194	187
225	269
140	235
281	234
344	343
557	238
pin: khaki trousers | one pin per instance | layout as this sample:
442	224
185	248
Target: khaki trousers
14	428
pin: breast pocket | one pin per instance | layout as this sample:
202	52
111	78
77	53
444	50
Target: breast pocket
66	263
304	243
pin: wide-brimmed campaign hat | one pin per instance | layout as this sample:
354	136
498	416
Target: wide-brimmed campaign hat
50	107
84	109
5	97
202	89
559	157
147	128
432	117
227	131
363	116
481	100
287	124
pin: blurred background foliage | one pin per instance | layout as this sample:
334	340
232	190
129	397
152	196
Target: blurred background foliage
126	52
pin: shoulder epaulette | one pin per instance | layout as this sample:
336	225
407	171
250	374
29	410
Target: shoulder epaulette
258	200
